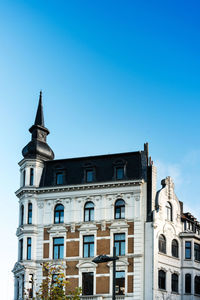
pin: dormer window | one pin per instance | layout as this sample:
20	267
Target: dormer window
119	169
119	173
90	175
59	178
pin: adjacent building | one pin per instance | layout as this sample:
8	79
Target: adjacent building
71	210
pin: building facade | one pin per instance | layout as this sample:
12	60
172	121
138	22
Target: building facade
72	210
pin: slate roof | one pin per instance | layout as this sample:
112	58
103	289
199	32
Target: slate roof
103	166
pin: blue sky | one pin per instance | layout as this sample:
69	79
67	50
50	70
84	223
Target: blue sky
114	74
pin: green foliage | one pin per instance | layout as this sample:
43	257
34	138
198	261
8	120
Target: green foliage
53	286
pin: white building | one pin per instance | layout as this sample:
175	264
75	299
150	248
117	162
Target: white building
72	210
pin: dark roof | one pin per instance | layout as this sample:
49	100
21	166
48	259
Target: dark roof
73	169
39	119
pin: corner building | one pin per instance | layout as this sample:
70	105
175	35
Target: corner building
71	210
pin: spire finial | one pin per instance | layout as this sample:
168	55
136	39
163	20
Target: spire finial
39	119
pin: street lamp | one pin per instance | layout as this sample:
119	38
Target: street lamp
104	258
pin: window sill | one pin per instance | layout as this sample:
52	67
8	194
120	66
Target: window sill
162	290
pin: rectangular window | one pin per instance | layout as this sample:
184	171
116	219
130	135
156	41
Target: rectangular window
21	249
30	213
187	250
120	283
58	248
89	175
119	243
30	289
17	288
87	283
174	283
88	246
22	287
24	178
188	283
119	173
31	176
59	178
197	252
28	248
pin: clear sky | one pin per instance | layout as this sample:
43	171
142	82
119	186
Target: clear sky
114	74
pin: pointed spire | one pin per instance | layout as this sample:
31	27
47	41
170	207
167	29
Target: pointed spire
39	119
38	146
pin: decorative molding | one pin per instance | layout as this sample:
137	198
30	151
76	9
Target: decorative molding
18	267
24	190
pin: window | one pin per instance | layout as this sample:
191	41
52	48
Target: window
120	283
87	283
119	173
22	215
28	248
88	246
30	213
162	244
161	279
120	209
30	289
22	286
89	212
31	176
89	175
21	249
24	178
17	288
175	283
197	252
58	248
119	243
59	214
59	178
175	248
187	250
187	283
197	285
168	208
57	281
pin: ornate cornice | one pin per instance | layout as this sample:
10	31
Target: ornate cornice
33	190
26	228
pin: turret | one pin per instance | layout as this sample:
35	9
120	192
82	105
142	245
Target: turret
38	147
36	151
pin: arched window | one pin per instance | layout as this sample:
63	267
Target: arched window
168	208
30	213
188	283
162	279
120	209
197	285
22	215
89	211
175	248
162	244
175	283
59	214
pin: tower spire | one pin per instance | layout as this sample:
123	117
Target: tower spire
38	146
39	119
